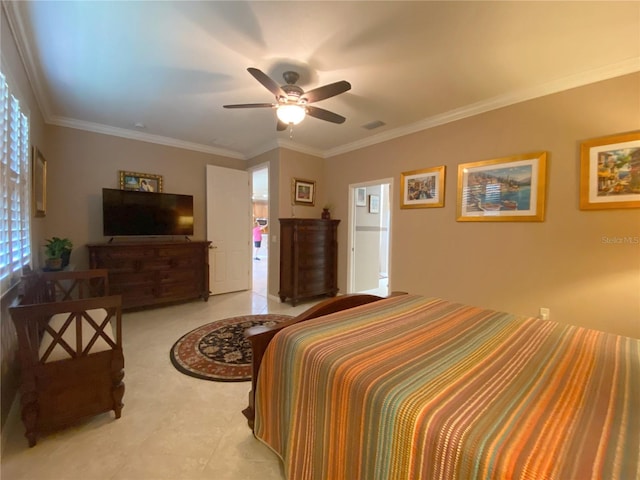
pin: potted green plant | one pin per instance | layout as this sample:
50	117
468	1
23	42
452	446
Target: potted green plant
58	252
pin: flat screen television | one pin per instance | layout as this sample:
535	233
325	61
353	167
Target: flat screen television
128	213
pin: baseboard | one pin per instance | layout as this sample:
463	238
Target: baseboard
275	298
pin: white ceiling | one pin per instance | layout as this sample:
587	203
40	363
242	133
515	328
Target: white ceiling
170	66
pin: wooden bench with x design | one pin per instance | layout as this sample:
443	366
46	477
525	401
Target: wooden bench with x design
69	347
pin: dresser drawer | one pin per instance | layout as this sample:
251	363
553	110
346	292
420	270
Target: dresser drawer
175	252
307	275
178	290
308	235
135	294
153	273
318	261
115	254
129	279
178	276
317	287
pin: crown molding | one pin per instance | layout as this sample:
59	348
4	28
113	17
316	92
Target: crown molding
18	32
264	148
624	67
296	147
143	137
19	29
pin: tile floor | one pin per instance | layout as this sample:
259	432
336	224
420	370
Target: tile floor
173	426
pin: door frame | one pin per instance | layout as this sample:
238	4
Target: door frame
261	166
352	227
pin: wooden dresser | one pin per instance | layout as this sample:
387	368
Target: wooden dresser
308	258
154	273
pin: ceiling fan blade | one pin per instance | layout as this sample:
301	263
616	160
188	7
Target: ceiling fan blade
251	105
266	81
323	114
281	126
327	91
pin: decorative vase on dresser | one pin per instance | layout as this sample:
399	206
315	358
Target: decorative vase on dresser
308	258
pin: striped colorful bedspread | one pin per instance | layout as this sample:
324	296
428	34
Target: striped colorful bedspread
415	388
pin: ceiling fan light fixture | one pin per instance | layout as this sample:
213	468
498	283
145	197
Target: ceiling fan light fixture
291	114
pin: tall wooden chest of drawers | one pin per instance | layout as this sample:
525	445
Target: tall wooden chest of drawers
308	258
153	273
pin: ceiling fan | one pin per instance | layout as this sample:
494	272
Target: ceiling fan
292	102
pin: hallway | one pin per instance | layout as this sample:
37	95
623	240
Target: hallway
261	267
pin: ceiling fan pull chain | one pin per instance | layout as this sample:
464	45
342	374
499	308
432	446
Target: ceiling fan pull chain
290	131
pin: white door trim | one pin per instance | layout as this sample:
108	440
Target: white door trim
262	166
352	226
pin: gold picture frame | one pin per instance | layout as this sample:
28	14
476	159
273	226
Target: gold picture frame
142	182
508	189
39	183
422	188
610	172
303	192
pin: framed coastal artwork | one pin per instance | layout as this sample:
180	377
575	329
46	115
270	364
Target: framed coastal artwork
422	188
361	196
142	182
610	172
509	189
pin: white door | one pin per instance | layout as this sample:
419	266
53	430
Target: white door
228	229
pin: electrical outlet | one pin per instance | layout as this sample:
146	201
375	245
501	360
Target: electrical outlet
544	313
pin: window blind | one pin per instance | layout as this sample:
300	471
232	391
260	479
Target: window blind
15	236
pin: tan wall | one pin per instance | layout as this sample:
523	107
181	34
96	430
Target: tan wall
563	263
303	167
81	163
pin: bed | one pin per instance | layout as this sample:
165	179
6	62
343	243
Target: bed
411	387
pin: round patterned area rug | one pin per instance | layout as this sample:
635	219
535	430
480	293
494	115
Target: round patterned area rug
218	351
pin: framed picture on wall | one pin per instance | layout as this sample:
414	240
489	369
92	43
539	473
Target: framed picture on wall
422	188
374	203
510	189
303	192
142	182
610	172
39	183
361	197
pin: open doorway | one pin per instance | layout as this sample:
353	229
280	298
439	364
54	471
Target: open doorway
260	236
369	236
